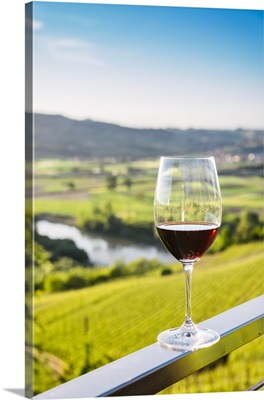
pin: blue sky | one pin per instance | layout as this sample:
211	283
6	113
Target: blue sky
149	66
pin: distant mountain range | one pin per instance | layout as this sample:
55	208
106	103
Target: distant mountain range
56	136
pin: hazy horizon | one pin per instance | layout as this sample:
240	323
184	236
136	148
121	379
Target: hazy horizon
145	127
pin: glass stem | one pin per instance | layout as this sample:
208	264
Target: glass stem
188	325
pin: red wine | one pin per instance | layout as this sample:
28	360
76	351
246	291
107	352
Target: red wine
187	242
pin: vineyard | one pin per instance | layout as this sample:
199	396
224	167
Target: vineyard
87	316
80	330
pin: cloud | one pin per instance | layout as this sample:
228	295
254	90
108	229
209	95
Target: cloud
71	51
68	43
36	25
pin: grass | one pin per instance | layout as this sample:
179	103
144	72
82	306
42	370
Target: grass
93	326
138	203
83	329
52	178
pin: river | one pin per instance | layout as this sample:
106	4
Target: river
101	250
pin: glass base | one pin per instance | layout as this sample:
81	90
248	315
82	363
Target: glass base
180	339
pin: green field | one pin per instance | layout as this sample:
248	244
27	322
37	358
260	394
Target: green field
80	330
54	196
83	329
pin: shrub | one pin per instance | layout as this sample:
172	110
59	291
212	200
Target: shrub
99	278
65	264
58	248
248	226
142	266
75	281
166	271
54	283
119	269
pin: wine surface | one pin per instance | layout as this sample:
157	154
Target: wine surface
187	242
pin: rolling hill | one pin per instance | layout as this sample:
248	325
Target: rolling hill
86	328
56	136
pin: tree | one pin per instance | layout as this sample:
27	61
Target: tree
111	182
128	182
70	185
249	222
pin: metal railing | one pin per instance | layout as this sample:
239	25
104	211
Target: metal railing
153	368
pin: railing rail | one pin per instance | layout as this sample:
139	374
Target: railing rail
153	368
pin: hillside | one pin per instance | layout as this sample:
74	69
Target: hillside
60	137
84	329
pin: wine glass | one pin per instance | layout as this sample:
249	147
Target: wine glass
187	212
